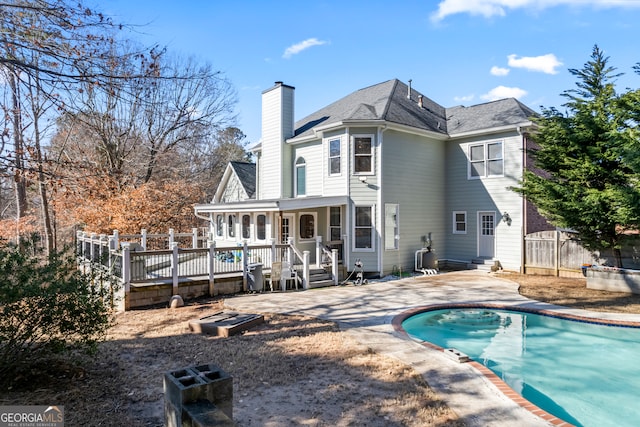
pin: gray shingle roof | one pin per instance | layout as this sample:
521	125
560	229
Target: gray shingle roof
384	101
494	114
387	101
246	173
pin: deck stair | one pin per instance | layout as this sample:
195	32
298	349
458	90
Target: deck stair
482	264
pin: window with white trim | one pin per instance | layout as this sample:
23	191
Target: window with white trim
362	154
391	228
363	227
459	222
219	225
335	223
334	156
261	227
231	226
301	177
307	225
246	226
486	160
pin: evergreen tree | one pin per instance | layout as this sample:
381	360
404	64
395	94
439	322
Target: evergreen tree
588	159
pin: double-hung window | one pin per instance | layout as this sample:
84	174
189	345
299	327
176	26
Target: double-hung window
219	225
261	227
362	154
363	227
231	226
486	160
246	226
459	222
334	156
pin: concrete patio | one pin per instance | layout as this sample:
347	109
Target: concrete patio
366	312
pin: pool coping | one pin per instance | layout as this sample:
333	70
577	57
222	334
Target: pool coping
502	386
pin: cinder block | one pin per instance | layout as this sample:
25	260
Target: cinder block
207	385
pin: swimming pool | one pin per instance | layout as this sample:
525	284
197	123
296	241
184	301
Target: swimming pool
584	373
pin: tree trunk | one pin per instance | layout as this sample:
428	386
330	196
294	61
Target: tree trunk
20	182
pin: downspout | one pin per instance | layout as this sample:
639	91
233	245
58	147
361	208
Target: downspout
523	227
380	215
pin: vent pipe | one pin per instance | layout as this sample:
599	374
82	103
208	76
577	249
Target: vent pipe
409	90
420	101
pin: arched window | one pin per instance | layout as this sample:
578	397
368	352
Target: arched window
301	177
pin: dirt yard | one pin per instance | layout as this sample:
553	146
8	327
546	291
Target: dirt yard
290	371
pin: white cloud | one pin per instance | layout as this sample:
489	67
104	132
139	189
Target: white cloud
303	45
489	8
545	63
499	71
501	92
463	99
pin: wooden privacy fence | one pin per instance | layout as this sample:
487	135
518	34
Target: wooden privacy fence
560	253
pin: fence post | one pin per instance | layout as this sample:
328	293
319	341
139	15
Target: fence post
556	258
305	270
212	265
103	237
143	239
318	251
334	266
126	274
116	240
174	268
194	238
171	238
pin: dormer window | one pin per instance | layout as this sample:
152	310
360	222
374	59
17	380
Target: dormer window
301	177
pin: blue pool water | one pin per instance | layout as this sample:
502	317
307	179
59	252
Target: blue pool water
583	373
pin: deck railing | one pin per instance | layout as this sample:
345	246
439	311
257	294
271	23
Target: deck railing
132	262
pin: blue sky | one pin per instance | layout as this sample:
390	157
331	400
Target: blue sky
457	52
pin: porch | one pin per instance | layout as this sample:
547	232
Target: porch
147	277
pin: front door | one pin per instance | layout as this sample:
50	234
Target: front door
287	228
486	234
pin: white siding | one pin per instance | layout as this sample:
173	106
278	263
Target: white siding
277	125
336	184
490	194
312	154
413	178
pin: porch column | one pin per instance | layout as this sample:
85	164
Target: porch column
194	238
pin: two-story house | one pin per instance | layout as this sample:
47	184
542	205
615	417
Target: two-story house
381	173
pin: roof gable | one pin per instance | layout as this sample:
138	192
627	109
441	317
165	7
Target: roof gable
246	173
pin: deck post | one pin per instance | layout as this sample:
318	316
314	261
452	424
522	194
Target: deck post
143	239
171	237
245	266
126	274
212	266
305	270
174	268
116	240
194	238
290	251
318	251
334	266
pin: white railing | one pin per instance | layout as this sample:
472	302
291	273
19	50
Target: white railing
133	263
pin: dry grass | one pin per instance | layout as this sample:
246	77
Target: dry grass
290	371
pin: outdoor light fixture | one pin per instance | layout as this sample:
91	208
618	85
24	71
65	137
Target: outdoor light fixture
506	218
362	178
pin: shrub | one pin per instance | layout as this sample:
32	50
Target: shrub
47	307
